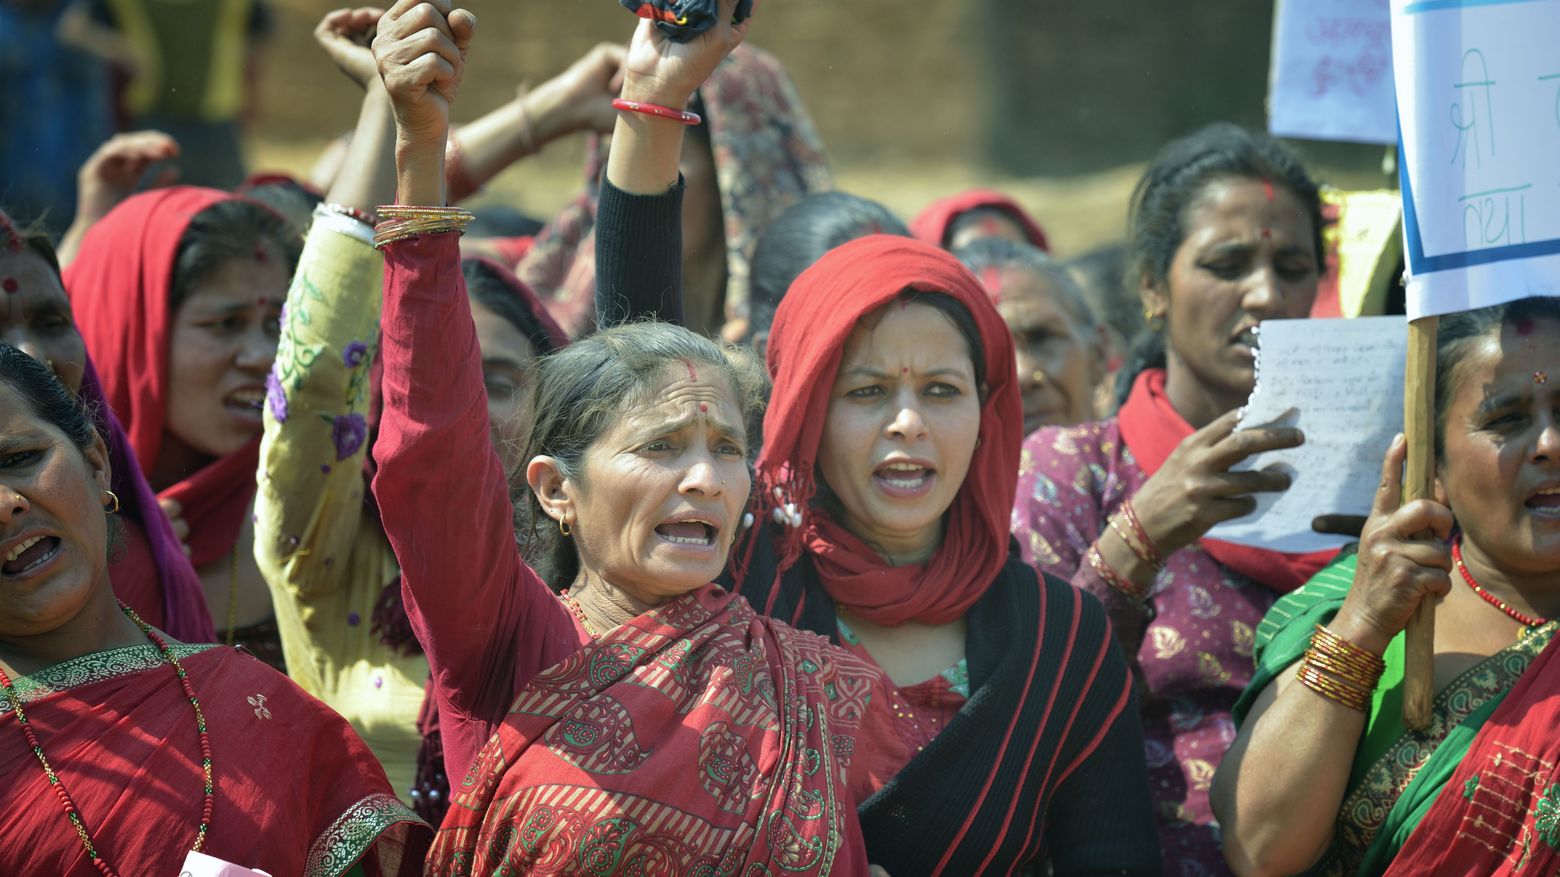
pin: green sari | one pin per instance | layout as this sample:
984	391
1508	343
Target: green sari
1396	774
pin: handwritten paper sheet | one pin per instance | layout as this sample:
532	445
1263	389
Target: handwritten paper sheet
1331	76
1478	89
1341	383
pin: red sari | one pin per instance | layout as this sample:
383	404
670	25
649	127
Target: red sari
693	735
296	791
695	738
1499	814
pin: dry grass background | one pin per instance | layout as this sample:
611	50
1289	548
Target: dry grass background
899	96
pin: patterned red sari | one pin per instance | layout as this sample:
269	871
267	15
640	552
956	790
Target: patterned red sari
697	738
296	791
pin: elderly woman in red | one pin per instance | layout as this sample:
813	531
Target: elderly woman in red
645	720
121	749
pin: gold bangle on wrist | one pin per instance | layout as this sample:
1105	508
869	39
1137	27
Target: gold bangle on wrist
401	221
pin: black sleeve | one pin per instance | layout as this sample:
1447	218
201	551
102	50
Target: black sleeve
99	12
638	256
1101	820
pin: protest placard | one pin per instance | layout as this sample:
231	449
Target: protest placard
1331	74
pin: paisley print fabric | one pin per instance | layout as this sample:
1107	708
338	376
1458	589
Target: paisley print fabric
1191	646
696	739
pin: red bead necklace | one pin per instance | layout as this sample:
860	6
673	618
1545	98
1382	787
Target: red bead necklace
1489	598
71	811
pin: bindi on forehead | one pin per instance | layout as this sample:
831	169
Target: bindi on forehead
1524	327
10	285
991	278
1267	189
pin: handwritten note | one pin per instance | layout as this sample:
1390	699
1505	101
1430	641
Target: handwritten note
1478	90
1341	383
1331	76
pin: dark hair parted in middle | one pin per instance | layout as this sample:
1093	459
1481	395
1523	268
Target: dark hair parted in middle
1173	183
585	388
225	231
800	236
46	397
1457	335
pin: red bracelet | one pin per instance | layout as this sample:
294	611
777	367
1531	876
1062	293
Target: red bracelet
1154	558
1113	578
633	106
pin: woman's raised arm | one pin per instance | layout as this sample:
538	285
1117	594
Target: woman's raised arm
486	622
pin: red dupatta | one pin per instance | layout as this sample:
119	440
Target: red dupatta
120	288
1152	429
1499	814
296	791
696	738
811	326
933	223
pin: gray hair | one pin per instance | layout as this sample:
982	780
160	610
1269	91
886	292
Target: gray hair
985	254
584	388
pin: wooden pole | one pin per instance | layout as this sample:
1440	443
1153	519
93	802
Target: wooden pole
1419	483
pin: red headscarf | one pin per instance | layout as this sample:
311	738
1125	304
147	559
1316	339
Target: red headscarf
120	287
933	223
814	320
1151	428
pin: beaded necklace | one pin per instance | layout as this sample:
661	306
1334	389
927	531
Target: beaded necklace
71	811
578	611
1489	598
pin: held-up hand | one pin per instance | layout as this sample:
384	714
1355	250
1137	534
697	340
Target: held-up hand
1195	488
580	98
112	173
420	49
1396	570
345	36
181	527
664	72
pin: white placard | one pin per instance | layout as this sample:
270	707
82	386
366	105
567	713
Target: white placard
1341	383
1331	76
1478	89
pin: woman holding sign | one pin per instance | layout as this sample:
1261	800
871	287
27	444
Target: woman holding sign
1226	232
1323	772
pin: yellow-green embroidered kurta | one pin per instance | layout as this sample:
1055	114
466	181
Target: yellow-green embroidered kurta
323	555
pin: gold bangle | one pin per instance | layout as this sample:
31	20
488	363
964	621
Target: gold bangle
1353	676
1333	689
1345	652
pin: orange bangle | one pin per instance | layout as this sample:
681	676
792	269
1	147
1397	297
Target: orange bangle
1333	689
1113	578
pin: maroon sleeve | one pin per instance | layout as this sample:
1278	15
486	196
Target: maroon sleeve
1060	509
486	621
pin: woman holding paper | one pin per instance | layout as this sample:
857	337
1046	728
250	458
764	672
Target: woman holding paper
1323	773
1226	232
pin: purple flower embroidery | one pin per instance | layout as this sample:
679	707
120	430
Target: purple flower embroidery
354	354
348	432
276	397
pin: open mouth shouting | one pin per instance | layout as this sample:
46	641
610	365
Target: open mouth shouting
905	478
26	556
1545	501
246	403
692	530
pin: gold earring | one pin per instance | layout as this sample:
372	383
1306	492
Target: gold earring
1037	376
114	497
563	527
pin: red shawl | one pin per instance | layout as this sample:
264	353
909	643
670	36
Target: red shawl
1151	429
933	223
119	288
1499	814
815	318
296	791
696	738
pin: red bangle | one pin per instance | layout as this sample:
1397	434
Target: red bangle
1154	558
1113	578
633	106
